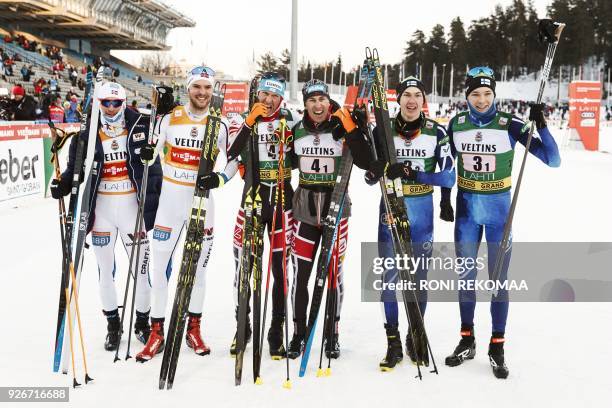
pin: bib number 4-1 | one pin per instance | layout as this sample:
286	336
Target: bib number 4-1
317	165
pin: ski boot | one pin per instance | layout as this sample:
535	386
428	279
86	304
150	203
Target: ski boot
155	342
142	328
114	330
297	344
193	336
394	349
465	350
275	338
496	356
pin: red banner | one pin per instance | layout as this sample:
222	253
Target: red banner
351	95
33	131
584	105
236	98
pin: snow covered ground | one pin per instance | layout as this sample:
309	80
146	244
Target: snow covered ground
558	354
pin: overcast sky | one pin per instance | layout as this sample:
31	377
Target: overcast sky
228	32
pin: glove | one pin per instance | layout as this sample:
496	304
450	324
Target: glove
258	110
446	210
548	31
59	188
360	117
165	100
536	114
401	170
343	117
375	172
210	181
147	154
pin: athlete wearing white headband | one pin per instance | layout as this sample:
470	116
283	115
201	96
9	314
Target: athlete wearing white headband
112	98
200	73
179	141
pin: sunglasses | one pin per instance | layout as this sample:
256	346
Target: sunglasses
309	89
115	103
273	75
481	71
203	71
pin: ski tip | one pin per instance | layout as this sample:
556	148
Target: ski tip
169	386
162	384
88	379
75	383
287	384
328	372
258	381
302	372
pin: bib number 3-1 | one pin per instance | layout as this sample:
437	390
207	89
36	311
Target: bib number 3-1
479	163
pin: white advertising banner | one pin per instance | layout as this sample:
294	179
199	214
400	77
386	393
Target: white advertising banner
21	168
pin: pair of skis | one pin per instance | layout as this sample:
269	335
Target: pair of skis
397	215
75	228
193	243
250	264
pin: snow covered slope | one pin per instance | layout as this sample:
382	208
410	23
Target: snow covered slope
558	354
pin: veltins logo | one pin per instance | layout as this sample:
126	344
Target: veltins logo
272	84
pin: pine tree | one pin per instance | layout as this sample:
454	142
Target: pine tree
457	47
414	53
285	62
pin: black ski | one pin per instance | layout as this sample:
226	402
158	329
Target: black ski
83	203
69	225
250	261
193	243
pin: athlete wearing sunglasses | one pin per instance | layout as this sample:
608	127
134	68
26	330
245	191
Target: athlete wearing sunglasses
114	202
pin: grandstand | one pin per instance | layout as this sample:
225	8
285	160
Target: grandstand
86	30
